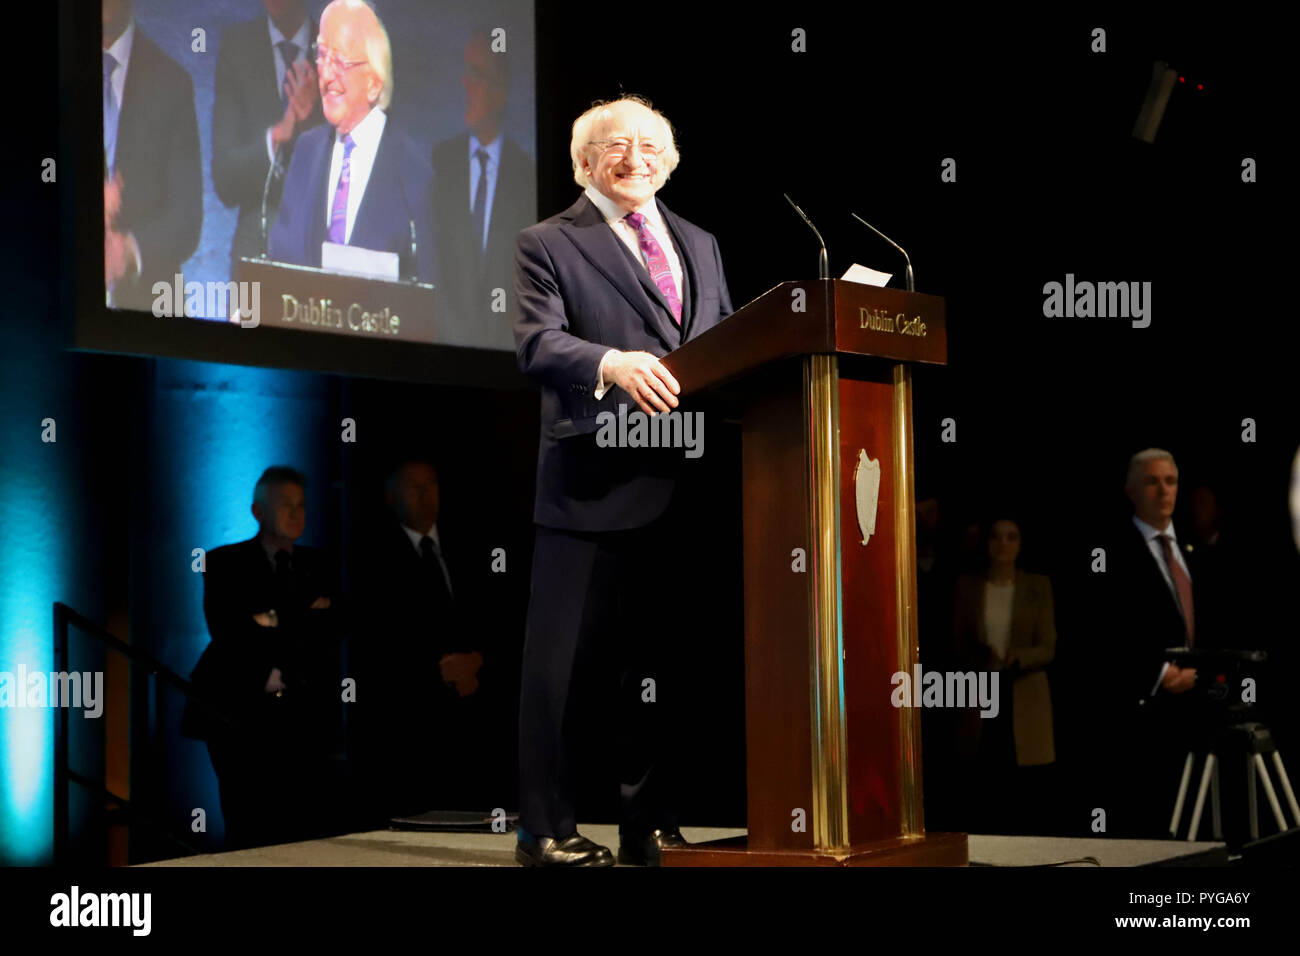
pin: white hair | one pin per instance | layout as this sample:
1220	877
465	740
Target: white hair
379	52
584	126
1141	458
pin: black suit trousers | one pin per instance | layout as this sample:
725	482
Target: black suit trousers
602	626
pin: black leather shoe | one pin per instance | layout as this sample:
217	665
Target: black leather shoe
644	851
573	850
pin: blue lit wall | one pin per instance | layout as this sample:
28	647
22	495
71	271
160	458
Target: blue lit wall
211	430
153	459
34	479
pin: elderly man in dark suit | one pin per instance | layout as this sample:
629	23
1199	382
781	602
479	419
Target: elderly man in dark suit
358	180
1158	599
153	180
605	289
266	97
269	679
485	194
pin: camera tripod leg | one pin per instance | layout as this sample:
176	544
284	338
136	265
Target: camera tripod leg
1251	799
1182	795
1285	783
1206	775
1214	805
1269	792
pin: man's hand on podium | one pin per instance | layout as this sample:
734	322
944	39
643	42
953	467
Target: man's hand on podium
644	377
1178	680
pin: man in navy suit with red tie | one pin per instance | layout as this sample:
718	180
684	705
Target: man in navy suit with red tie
604	290
1159	598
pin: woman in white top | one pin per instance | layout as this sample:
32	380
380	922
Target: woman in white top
1004	622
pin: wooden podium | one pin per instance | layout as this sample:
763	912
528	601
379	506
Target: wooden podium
820	371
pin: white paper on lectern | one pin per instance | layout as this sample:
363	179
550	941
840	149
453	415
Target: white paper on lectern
355	261
857	273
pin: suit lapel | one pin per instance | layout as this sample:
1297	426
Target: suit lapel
1156	576
690	277
593	237
384	172
316	231
262	73
1019	611
129	112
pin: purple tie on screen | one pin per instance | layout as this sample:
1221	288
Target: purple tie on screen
339	211
657	263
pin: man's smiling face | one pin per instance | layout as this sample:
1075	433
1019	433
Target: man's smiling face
346	95
626	171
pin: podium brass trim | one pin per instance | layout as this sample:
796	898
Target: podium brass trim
909	729
830	810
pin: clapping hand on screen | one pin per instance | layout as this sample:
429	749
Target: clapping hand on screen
301	91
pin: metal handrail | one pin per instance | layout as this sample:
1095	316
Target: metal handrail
63	775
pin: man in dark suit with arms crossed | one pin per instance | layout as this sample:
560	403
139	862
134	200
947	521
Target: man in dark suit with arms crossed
272	670
604	290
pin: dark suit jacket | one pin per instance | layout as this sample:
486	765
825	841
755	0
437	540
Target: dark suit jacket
399	191
1142	616
239	582
162	179
464	299
580	292
246	104
405	713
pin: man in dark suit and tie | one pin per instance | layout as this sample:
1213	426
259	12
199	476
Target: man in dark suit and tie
272	671
358	180
604	290
1157	600
153	181
485	194
266	96
417	658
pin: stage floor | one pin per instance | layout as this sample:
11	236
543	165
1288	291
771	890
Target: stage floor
410	848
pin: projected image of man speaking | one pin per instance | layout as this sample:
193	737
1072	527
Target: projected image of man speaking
357	180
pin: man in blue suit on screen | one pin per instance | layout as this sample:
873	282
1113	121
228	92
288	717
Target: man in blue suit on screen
604	290
357	180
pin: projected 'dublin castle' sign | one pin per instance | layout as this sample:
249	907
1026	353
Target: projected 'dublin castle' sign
314	300
329	316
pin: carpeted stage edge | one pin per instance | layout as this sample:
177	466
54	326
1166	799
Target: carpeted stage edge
409	848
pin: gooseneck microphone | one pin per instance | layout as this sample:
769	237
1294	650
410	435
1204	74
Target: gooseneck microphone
911	280
415	270
272	174
823	266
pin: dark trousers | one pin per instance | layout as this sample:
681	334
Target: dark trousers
274	786
603	607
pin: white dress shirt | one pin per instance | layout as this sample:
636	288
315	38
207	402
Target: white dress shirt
614	214
366	137
277	38
1152	537
493	170
416	537
997	616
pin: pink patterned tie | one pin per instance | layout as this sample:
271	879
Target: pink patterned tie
657	263
1182	585
339	210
